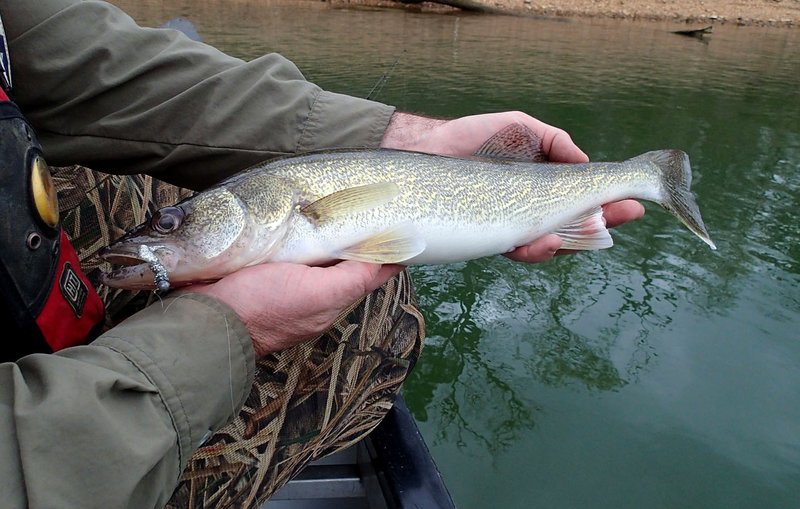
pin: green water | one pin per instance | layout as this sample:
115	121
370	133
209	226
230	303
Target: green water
657	374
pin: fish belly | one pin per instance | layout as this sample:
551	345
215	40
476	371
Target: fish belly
444	242
448	243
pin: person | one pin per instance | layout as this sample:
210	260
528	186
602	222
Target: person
113	423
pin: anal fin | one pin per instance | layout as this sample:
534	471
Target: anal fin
587	232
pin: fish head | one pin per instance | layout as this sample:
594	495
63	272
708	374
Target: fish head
200	239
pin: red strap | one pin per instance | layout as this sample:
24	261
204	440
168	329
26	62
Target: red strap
73	307
3	96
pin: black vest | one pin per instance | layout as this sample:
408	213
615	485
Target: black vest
46	303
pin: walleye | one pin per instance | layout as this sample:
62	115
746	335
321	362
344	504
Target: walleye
390	206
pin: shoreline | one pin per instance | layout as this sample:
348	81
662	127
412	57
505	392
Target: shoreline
765	13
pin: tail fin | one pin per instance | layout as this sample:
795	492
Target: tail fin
676	179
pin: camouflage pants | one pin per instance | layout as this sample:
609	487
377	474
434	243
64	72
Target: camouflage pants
306	402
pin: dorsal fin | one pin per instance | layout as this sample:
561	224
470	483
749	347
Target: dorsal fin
516	142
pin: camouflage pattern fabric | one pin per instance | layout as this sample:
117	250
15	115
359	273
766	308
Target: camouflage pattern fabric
306	402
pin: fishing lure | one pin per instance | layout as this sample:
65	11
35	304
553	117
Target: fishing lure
161	278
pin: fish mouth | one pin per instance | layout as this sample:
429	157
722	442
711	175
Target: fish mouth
126	259
132	272
123	254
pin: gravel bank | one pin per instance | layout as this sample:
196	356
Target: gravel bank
781	13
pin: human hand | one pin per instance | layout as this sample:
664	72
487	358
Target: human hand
464	136
283	304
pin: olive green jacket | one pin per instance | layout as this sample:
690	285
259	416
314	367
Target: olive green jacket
112	424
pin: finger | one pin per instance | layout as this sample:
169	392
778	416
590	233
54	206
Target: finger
386	273
564	150
621	212
360	278
556	143
560	148
540	250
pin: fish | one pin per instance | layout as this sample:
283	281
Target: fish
395	206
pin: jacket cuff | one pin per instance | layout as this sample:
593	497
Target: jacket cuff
198	354
337	120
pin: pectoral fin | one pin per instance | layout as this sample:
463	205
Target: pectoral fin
395	245
587	232
350	201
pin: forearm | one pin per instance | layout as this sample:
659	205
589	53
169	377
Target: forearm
105	93
117	420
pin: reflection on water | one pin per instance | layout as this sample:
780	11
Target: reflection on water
656	374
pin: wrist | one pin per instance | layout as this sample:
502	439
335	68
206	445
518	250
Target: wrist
407	131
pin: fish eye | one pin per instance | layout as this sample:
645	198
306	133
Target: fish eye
167	220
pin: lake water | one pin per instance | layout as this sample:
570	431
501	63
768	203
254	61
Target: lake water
657	374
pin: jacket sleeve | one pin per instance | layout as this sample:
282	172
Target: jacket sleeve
112	424
105	93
